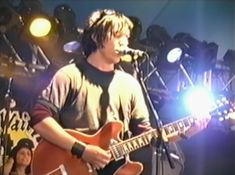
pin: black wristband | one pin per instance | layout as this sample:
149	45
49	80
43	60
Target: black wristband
77	149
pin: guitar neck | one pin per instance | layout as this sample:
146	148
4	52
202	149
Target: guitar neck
172	129
125	147
179	126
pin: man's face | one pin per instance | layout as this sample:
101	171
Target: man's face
113	43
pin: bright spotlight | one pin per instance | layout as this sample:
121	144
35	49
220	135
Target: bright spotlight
199	101
174	55
40	27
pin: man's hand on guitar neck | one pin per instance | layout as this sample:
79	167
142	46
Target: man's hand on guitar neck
231	118
199	124
96	156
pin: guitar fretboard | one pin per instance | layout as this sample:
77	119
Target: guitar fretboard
172	129
125	147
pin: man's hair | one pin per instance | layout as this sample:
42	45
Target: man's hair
99	25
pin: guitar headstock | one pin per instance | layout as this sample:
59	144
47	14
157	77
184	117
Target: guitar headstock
222	109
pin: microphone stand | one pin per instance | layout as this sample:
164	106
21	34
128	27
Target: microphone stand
158	145
4	133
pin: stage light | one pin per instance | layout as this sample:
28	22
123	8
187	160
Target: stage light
8	17
174	55
70	34
40	27
173	51
192	46
201	55
27	8
66	17
158	35
229	59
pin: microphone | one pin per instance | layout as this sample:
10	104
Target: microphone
132	52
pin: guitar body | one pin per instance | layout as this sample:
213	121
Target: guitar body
49	159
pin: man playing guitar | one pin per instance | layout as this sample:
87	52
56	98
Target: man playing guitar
92	94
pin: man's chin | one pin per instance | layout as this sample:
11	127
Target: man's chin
117	60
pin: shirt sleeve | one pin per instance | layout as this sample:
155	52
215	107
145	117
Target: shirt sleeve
38	113
52	98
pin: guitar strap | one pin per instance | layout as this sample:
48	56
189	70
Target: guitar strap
80	66
125	118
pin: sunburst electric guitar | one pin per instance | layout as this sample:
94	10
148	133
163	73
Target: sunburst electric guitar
49	159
